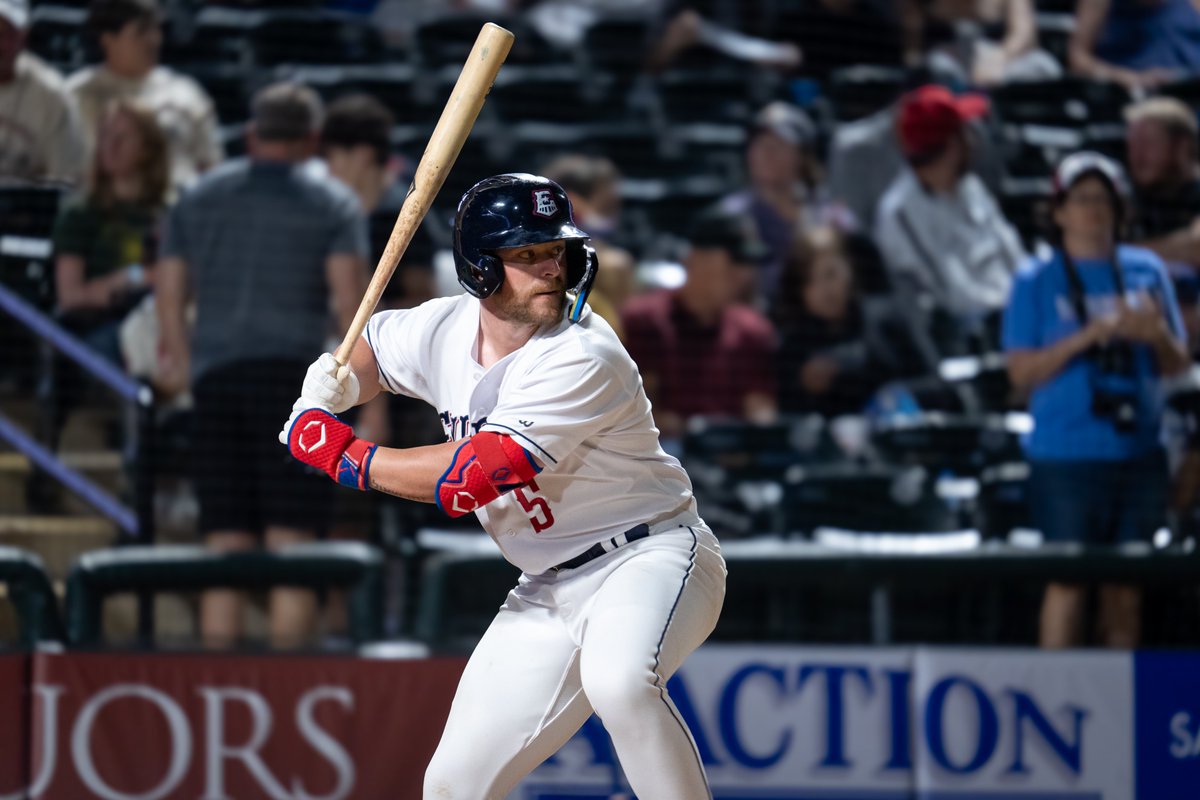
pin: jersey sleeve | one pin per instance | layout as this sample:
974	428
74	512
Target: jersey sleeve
558	403
395	337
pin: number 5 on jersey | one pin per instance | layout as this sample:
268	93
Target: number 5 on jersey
540	515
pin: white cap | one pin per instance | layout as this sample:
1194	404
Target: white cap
16	12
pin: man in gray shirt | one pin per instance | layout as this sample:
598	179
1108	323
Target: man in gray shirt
266	247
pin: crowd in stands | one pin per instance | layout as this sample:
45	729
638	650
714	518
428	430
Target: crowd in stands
803	210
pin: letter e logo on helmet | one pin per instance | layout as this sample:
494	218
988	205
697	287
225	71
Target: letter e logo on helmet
543	203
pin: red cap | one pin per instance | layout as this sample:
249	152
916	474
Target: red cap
932	115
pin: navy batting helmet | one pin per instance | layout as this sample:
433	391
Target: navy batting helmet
514	210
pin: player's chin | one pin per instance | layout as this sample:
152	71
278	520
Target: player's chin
548	306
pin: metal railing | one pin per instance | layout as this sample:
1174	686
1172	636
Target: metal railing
136	523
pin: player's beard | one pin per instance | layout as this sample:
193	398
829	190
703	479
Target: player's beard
525	309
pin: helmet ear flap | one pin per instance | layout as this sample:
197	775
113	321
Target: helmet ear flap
491	272
482	278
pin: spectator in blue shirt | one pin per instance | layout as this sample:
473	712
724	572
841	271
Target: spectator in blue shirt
1089	332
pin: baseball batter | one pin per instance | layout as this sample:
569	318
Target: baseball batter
553	446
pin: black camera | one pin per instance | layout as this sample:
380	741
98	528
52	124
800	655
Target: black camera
1119	407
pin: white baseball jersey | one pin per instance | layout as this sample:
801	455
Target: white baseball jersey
571	396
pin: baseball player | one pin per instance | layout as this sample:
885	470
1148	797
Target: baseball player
553	446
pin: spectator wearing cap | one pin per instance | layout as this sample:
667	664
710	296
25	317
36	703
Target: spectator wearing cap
1160	145
701	351
268	248
1089	333
1140	44
129	34
939	229
40	134
786	192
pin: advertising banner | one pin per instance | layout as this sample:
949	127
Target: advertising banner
148	727
1167	688
801	723
14	724
1023	724
779	722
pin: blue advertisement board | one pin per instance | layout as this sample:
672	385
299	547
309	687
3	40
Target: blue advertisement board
1167	714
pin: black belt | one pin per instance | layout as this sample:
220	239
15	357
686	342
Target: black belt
600	548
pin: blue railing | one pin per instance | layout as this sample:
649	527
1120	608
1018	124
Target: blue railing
135	523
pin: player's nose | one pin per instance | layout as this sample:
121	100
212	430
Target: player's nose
550	266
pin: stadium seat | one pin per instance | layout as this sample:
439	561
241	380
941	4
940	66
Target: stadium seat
617	45
1003	503
859	91
460	594
56	34
963	445
315	37
671	205
636	150
541	94
710	147
1185	89
865	498
394	85
27	215
1025	202
1070	102
707	95
177	568
29	589
1054	30
229	85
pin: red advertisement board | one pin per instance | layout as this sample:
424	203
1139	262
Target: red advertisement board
150	726
14	724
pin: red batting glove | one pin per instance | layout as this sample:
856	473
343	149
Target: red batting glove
321	440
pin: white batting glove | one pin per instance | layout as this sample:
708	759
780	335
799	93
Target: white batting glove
330	385
301	405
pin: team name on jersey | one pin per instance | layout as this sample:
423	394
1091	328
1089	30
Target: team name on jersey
459	426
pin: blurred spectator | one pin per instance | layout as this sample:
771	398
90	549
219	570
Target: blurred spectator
1139	44
786	192
40	137
105	241
938	227
592	184
699	350
842	33
978	42
865	157
267	248
130	36
691	25
563	23
1160	145
356	148
835	349
1089	331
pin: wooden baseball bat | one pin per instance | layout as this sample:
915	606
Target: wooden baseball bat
478	73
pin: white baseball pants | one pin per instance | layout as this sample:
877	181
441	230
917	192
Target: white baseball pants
604	637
